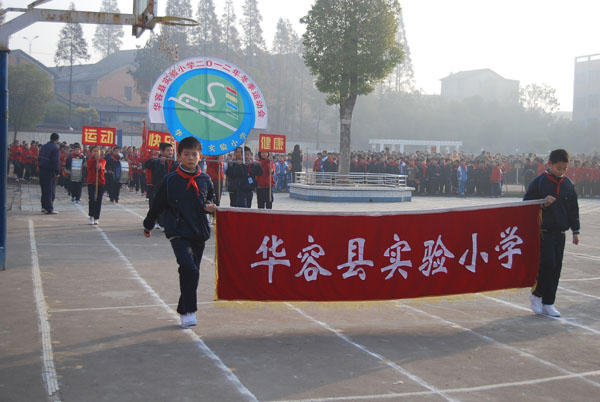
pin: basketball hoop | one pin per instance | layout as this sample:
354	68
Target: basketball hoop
175	21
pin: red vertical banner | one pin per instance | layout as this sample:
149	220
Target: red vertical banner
294	256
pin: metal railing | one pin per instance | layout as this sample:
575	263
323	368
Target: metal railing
350	179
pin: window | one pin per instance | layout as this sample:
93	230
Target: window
128	93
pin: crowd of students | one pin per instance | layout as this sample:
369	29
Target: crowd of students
429	173
463	174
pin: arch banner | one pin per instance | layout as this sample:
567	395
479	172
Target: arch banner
210	99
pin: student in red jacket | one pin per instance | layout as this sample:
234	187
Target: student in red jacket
214	165
496	180
16	156
29	158
264	191
96	167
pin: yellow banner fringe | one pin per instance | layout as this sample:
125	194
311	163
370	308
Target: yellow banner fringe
520	293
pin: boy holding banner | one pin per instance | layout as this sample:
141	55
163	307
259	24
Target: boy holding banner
559	213
184	198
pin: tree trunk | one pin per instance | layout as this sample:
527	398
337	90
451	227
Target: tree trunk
346	109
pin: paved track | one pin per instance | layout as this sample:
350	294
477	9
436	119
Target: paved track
88	313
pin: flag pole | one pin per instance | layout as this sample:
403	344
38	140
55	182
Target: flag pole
96	193
219	181
270	179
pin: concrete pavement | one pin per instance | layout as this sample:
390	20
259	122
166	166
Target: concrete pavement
87	312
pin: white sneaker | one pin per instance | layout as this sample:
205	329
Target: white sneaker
188	320
96	221
185	324
549	310
536	303
91	221
191	317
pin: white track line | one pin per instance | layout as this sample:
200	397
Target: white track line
500	344
584	256
579	293
580	279
377	356
584	327
449	391
198	341
588	245
49	370
74	310
131	211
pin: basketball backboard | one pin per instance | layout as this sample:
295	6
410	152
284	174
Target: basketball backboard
144	12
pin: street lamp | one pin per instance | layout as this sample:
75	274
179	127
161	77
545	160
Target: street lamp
30	40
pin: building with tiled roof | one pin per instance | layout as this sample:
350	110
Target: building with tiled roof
484	83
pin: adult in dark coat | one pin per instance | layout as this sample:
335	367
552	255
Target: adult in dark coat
296	161
49	169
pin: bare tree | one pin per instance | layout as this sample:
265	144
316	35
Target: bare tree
253	35
539	97
108	38
231	36
71	49
208	32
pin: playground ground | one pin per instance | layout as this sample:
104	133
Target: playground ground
87	314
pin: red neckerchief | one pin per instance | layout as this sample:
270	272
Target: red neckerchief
191	178
555	180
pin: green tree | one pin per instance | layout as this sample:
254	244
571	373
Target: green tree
286	40
151	61
231	36
208	31
350	45
254	44
30	91
108	38
71	49
57	113
539	97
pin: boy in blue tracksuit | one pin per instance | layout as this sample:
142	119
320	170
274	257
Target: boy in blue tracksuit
560	213
185	196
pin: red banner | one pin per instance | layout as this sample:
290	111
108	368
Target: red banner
282	255
274	143
102	136
156	137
